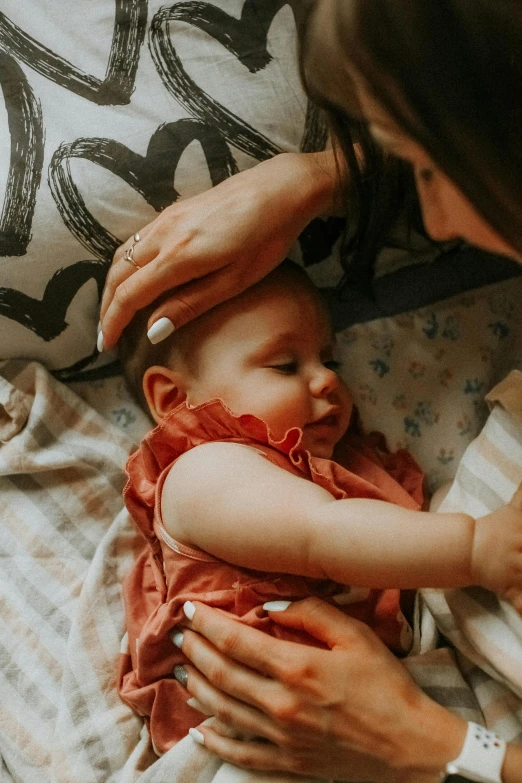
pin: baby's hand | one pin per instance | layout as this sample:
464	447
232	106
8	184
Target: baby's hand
496	559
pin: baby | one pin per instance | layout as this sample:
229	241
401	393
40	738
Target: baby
240	502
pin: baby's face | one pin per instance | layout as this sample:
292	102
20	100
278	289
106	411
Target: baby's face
270	354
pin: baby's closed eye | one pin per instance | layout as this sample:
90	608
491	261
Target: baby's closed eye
287	368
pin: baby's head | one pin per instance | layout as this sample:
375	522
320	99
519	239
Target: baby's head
267	352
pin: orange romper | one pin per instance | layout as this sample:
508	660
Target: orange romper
166	573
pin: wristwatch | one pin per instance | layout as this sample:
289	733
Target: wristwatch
480	759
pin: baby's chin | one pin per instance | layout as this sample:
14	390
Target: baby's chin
321	449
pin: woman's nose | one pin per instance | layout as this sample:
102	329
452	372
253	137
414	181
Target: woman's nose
437	217
438	228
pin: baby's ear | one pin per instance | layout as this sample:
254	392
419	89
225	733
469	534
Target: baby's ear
164	389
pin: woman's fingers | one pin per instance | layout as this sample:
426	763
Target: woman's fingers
120	269
238	642
229	677
232	713
128	293
245	754
128	289
307	760
322	621
187	300
258	651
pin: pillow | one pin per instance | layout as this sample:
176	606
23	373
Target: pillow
114	110
111	111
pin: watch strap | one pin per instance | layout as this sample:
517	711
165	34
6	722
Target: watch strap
481	757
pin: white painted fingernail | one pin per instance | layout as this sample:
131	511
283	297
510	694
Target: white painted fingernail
276	606
160	330
177	638
197	705
99	342
189	609
197	736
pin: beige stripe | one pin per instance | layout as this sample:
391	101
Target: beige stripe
501	707
31	542
16	732
502	461
33	641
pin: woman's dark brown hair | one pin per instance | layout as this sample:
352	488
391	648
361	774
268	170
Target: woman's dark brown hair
449	72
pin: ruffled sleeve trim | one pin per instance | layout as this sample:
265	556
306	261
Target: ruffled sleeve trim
183	429
369	471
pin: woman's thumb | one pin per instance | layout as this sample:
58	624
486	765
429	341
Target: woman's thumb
317	618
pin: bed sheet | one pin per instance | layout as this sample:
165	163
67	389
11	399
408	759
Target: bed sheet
66	543
484	629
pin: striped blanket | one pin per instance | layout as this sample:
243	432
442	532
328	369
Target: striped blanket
485	630
66	543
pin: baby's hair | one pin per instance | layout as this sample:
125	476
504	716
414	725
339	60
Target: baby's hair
137	353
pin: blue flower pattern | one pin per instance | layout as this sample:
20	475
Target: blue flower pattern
429	370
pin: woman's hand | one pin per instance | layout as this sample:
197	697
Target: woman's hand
350	712
215	245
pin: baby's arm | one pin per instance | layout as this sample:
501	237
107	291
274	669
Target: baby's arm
230	501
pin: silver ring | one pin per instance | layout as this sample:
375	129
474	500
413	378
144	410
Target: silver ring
128	256
181	675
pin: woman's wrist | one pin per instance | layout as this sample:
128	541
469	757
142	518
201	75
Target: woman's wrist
435	738
314	175
512	767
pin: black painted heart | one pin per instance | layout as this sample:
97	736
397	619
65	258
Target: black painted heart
24	118
151	175
130	20
46	317
245	38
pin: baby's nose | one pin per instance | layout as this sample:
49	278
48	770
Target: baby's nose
325	381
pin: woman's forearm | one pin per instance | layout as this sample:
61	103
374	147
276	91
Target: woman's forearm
315	177
512	767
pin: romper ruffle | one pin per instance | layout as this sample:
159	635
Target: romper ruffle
167	573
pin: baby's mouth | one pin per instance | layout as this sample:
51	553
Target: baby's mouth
327	421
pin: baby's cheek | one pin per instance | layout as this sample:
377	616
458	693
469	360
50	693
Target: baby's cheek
347	406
